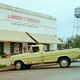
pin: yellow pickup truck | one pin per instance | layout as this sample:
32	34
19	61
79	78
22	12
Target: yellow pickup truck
38	54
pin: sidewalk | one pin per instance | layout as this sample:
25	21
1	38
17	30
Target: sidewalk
5	61
7	68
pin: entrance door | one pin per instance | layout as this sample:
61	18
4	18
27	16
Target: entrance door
35	56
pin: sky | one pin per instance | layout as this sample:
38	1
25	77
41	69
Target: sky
63	10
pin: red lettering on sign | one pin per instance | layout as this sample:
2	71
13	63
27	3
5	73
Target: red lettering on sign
16	17
33	20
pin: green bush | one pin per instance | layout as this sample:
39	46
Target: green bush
2	54
2	65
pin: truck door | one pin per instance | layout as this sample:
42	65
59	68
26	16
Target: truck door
49	57
36	56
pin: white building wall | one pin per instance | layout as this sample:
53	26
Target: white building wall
53	46
16	19
24	47
26	21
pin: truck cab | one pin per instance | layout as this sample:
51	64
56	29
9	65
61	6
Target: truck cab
37	48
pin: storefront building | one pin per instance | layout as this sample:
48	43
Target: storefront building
21	28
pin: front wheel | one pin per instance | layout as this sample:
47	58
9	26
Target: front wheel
64	62
18	65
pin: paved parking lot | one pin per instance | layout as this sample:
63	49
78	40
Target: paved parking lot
44	72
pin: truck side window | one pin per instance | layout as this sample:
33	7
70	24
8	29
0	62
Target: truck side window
35	49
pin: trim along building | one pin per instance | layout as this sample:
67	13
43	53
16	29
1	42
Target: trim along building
20	28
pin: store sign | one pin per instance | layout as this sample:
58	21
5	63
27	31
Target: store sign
21	18
17	21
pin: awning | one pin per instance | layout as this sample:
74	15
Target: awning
42	38
14	36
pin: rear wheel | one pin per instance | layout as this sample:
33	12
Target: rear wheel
64	62
18	65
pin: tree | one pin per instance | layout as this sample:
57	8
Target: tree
73	42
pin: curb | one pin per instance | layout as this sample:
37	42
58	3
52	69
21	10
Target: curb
8	68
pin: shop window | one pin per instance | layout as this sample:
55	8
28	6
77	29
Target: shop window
16	48
1	46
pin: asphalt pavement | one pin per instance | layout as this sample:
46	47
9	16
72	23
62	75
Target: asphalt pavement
43	72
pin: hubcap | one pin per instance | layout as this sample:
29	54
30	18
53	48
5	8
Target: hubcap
64	63
18	66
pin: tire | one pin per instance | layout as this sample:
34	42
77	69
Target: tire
64	62
18	65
